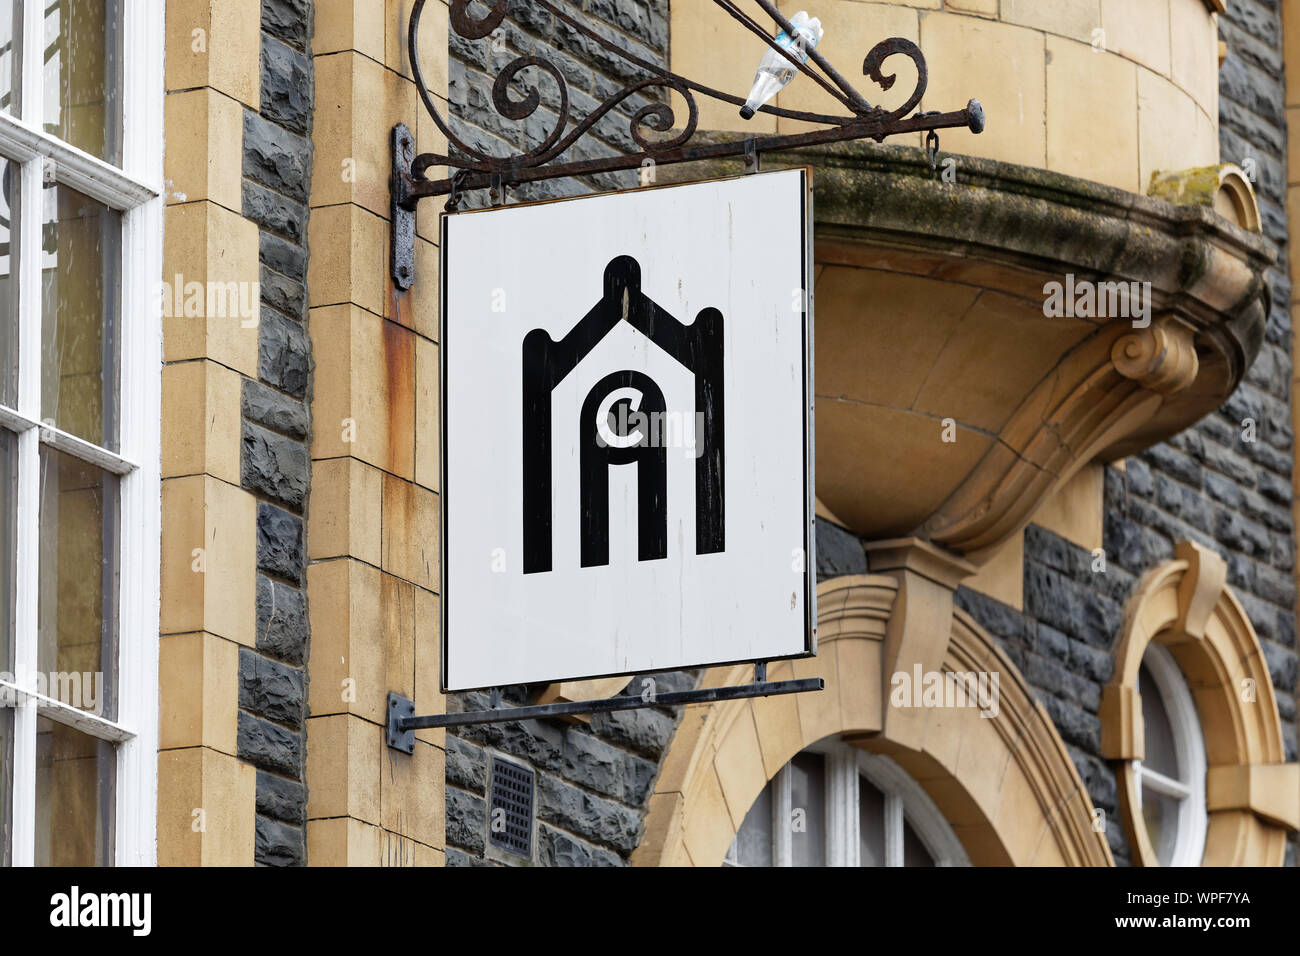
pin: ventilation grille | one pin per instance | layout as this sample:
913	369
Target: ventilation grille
510	808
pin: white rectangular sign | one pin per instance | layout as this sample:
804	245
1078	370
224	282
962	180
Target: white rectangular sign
627	462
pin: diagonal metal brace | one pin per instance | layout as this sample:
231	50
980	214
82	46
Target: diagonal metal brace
402	724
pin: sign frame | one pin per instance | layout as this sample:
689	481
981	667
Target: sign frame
808	418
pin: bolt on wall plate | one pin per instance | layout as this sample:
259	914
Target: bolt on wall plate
399	707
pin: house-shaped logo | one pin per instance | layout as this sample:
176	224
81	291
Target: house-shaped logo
698	347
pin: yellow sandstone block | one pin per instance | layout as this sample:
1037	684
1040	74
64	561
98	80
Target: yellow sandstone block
216	44
206	809
211	286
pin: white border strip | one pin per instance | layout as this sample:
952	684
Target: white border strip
141	369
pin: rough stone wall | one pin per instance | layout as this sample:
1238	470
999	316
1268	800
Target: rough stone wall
593	74
1208	484
1253	133
1063	641
275	464
1216	483
593	781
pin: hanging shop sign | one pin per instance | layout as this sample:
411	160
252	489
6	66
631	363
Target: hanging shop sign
627	470
626	432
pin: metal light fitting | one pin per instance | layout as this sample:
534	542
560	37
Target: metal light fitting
474	169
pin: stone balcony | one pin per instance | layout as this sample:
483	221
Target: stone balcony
952	398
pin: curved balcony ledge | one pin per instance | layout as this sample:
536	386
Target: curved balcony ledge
931	307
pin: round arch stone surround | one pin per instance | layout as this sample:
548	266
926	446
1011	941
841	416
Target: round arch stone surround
1252	795
1005	783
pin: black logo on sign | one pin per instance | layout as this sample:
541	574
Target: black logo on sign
698	348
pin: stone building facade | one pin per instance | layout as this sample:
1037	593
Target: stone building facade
256	402
1114	494
1220	483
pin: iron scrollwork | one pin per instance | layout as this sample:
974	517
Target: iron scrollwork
473	168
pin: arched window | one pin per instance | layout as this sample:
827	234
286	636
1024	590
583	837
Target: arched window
1171	777
837	805
1190	721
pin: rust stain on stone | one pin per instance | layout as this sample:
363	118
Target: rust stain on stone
401	304
399	367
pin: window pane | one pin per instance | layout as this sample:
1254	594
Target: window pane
8	545
871	824
753	844
74	797
1161	754
79	278
8	287
78	582
83	69
1160	813
6	784
11	47
808	806
914	851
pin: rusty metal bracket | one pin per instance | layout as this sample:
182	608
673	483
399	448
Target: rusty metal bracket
516	100
402	209
402	722
497	194
454	194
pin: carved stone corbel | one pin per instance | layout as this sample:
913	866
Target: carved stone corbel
921	623
1160	357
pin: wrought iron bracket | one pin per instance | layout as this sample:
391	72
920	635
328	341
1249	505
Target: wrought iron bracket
403	209
514	99
402	722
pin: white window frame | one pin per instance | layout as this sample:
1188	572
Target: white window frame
904	800
135	189
1189	748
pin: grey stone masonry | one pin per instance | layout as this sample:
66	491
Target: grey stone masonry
275	461
593	780
1062	644
1225	483
1253	134
592	72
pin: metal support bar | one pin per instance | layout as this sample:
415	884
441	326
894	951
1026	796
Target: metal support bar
409	186
870	127
402	723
